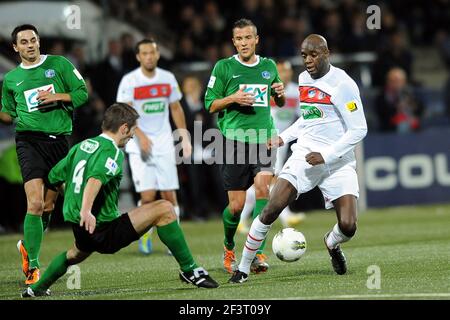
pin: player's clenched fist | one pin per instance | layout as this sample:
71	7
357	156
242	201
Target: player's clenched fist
243	98
278	88
314	158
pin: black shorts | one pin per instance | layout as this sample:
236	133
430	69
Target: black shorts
107	238
38	153
243	161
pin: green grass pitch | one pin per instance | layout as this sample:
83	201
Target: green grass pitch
410	245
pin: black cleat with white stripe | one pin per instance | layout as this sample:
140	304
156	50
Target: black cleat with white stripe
199	277
238	277
30	293
338	260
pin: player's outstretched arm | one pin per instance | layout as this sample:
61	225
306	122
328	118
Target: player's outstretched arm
176	110
87	219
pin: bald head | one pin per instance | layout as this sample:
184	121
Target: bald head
315	54
315	41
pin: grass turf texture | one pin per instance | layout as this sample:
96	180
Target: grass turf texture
410	245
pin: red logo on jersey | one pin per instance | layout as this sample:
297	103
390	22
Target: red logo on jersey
313	95
153	91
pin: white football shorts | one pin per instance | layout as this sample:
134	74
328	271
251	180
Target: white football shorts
335	180
159	172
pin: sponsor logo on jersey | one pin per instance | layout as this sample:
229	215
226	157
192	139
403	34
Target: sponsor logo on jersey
152	91
265	74
89	146
314	95
309	112
211	82
50	73
31	98
112	166
351	106
259	92
153	107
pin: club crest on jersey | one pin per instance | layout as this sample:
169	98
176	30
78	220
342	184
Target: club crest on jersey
50	73
265	74
311	93
260	93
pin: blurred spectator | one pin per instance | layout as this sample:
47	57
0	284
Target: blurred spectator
88	119
397	107
78	58
57	48
185	51
128	53
109	73
396	54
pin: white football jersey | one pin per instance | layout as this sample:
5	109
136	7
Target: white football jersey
151	98
332	118
285	116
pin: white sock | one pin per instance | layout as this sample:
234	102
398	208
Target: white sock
284	216
177	212
250	200
256	235
336	237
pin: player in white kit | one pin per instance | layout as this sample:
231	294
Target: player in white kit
154	93
283	117
332	122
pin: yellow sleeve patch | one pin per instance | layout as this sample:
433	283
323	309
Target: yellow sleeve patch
351	106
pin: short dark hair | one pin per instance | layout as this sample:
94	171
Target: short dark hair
242	23
118	114
144	41
22	27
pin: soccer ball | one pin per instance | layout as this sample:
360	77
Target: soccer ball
289	245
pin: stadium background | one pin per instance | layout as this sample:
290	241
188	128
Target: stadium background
404	159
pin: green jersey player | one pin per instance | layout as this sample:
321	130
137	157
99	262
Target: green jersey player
91	173
40	94
239	90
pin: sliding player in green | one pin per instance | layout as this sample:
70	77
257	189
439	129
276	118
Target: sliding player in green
91	174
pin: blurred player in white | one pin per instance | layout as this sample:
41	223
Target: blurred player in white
283	118
154	93
332	122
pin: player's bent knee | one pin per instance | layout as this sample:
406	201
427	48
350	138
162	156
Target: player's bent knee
236	207
348	227
166	213
36	206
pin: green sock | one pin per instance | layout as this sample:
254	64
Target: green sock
259	206
46	219
55	270
230	224
172	236
32	230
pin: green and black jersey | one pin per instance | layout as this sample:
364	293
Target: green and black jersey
22	85
98	158
246	124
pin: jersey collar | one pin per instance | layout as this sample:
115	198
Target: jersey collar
104	135
43	58
247	65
